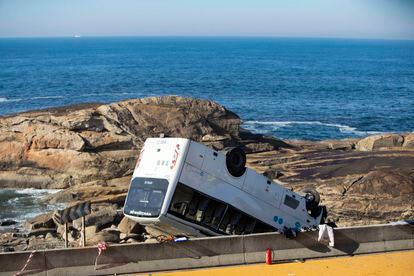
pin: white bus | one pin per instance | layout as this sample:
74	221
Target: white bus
183	187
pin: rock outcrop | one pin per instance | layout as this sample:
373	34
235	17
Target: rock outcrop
376	142
63	147
358	187
409	141
91	150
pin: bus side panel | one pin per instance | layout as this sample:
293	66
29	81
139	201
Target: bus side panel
260	187
195	155
274	194
215	164
217	188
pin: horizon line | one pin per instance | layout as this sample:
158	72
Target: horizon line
79	36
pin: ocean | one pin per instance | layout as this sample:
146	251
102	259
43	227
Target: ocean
291	88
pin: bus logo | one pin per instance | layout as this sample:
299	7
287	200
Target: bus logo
175	157
140	157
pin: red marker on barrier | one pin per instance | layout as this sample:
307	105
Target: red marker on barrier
268	256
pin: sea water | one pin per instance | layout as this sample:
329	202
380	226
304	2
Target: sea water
22	204
291	88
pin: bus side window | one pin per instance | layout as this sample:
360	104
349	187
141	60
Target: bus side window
181	200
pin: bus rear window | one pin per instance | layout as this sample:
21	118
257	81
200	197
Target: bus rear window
145	197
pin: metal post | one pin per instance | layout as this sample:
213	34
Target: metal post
83	232
66	235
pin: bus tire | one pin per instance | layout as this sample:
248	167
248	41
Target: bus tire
235	161
312	198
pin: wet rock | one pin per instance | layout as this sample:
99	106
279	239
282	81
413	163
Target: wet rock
7	222
376	142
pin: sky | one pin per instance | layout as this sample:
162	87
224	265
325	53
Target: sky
376	19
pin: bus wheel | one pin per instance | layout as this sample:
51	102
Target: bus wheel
235	161
312	198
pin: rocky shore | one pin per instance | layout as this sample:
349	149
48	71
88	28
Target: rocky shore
90	151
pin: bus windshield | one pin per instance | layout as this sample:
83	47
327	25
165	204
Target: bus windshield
145	197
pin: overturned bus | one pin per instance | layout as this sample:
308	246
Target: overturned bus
183	187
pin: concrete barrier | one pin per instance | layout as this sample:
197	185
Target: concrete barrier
209	252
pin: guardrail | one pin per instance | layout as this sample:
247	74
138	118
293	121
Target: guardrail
209	252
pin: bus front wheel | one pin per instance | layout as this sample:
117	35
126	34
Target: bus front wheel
235	161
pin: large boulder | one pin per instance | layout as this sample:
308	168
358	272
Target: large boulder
376	142
64	147
106	235
409	141
40	221
109	191
128	226
100	217
391	183
8	222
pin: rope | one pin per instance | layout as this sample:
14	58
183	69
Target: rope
169	238
27	263
164	238
101	247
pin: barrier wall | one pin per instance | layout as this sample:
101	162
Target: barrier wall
209	252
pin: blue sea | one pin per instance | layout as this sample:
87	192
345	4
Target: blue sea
291	88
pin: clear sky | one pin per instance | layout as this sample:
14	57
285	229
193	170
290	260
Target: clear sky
392	19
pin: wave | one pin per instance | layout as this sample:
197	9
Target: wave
32	191
47	97
250	125
3	100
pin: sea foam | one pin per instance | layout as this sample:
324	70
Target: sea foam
4	100
275	125
32	191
